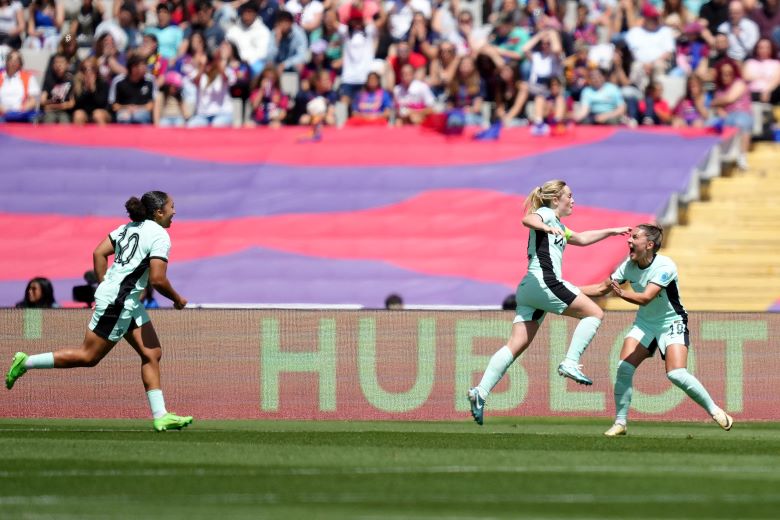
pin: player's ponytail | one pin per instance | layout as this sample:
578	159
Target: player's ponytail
135	209
543	195
145	207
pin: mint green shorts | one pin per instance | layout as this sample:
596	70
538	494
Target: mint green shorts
535	298
660	336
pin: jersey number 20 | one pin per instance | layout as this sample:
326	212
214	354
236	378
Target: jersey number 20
126	247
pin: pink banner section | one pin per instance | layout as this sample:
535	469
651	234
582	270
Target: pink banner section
380	365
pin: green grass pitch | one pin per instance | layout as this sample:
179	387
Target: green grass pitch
509	468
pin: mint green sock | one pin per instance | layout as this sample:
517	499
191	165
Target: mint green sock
686	382
582	337
40	361
497	367
623	390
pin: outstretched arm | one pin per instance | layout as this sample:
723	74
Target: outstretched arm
642	299
586	238
534	221
100	258
597	289
158	277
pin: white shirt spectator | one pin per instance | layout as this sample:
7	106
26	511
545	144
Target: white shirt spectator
647	46
8	17
308	13
359	51
12	91
214	98
252	42
597	8
117	33
741	46
544	67
401	14
417	96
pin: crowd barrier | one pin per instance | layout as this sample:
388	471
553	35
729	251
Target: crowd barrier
381	365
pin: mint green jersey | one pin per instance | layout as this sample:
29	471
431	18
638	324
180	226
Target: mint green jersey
545	251
135	244
666	307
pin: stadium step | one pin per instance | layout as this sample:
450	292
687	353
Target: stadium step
725	253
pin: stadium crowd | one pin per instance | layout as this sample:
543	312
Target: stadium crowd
543	62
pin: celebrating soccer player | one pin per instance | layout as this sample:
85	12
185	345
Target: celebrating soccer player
140	250
543	290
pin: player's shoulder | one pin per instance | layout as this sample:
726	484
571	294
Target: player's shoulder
664	262
546	213
154	230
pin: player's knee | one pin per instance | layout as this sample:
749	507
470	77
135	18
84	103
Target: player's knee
90	359
598	313
151	355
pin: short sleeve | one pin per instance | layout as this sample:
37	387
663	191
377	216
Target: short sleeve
161	246
547	214
620	272
114	235
664	273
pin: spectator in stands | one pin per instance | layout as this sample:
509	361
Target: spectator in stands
45	20
762	72
236	68
89	16
132	95
509	303
511	94
404	56
467	91
692	52
318	61
226	11
110	61
463	36
413	98
675	15
67	48
269	103
575	69
653	109
394	302
712	14
556	107
320	85
767	17
147	298
421	38
443	68
652	46
252	38
401	13
11	23
169	37
203	22
731	102
91	95
123	28
170	108
373	104
19	91
359	43
39	294
692	109
182	12
743	33
546	63
308	13
626	16
330	33
156	65
214	106
195	52
57	97
601	102
507	42
586	29
288	44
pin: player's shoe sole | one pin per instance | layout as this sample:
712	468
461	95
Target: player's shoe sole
477	406
723	419
171	421
573	372
17	369
617	430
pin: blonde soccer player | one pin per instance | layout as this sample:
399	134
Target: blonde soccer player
543	290
661	324
140	250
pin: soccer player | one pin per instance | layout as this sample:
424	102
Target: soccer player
140	250
661	324
543	290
